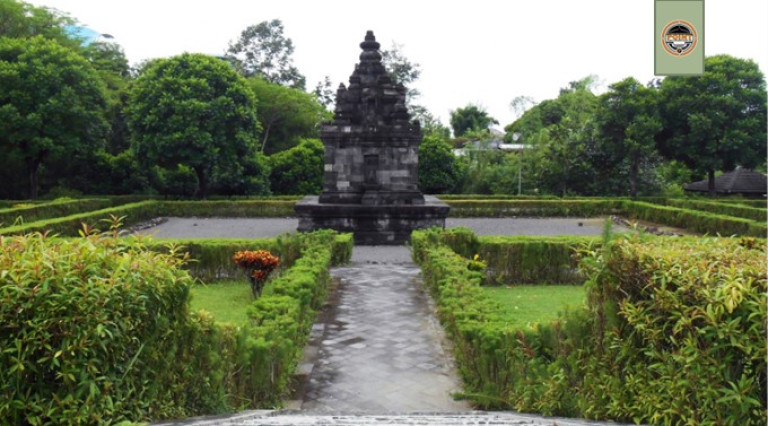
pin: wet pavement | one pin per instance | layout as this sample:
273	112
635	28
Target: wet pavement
381	348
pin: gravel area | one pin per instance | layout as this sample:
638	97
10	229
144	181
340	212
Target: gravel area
175	227
198	227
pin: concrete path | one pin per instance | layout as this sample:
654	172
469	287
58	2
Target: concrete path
382	349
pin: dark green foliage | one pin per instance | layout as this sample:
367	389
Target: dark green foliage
628	119
181	181
470	117
51	105
439	170
715	121
298	170
193	111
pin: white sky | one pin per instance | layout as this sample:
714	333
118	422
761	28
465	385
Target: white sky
485	52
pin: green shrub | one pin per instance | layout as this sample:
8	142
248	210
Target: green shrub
97	330
680	332
674	334
92	332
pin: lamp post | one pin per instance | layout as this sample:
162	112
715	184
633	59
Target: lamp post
515	137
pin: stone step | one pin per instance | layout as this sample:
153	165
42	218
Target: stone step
268	418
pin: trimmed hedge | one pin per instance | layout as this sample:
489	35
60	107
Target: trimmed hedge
513	260
142	211
674	334
697	221
57	208
536	208
97	330
727	209
534	260
70	226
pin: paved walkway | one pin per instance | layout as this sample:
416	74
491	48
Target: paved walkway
381	349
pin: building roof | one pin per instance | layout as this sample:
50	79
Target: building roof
738	181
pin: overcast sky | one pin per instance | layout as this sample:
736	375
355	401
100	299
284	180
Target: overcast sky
485	52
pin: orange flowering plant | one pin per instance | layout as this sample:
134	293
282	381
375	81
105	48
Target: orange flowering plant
258	264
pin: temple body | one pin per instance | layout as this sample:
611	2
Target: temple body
371	162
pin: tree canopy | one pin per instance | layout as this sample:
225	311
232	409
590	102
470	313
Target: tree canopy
286	115
628	120
718	120
51	104
470	117
193	111
262	50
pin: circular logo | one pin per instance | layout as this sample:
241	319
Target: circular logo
679	38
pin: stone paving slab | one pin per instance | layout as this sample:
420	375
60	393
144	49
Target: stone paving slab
382	349
282	418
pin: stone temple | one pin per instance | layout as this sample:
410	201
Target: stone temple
371	162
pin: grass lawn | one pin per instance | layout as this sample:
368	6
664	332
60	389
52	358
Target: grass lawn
226	300
525	305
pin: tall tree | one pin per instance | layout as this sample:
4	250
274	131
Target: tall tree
401	69
262	50
715	121
193	111
51	103
628	119
286	115
23	20
470	117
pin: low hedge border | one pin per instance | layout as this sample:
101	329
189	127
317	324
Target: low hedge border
57	208
726	209
696	221
648	348
513	260
535	208
134	213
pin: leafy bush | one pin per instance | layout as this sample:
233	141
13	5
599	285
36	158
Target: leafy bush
92	332
681	332
298	170
97	330
674	334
